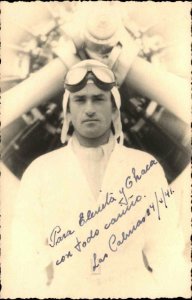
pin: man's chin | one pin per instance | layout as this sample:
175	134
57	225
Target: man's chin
92	136
93	139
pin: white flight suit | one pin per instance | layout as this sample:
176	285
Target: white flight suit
55	190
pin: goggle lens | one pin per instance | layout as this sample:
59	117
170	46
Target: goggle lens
76	78
104	75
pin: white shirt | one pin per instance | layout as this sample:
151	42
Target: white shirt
93	161
54	192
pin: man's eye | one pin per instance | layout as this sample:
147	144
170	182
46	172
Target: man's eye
99	99
80	100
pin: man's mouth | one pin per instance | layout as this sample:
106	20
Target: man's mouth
90	120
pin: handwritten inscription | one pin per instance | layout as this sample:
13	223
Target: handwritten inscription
114	244
127	204
98	261
56	237
137	176
79	245
64	257
83	219
162	199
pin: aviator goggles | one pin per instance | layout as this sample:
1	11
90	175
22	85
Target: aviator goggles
77	78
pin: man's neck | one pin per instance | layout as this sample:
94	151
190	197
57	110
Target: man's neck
93	142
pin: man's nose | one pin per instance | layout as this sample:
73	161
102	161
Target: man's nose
89	109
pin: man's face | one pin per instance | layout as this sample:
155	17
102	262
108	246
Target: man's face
91	111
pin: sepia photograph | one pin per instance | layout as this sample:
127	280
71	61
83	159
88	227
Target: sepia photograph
95	170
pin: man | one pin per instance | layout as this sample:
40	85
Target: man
94	218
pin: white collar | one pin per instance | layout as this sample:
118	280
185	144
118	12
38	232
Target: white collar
106	149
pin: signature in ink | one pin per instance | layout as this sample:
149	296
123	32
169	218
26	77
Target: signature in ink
98	261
